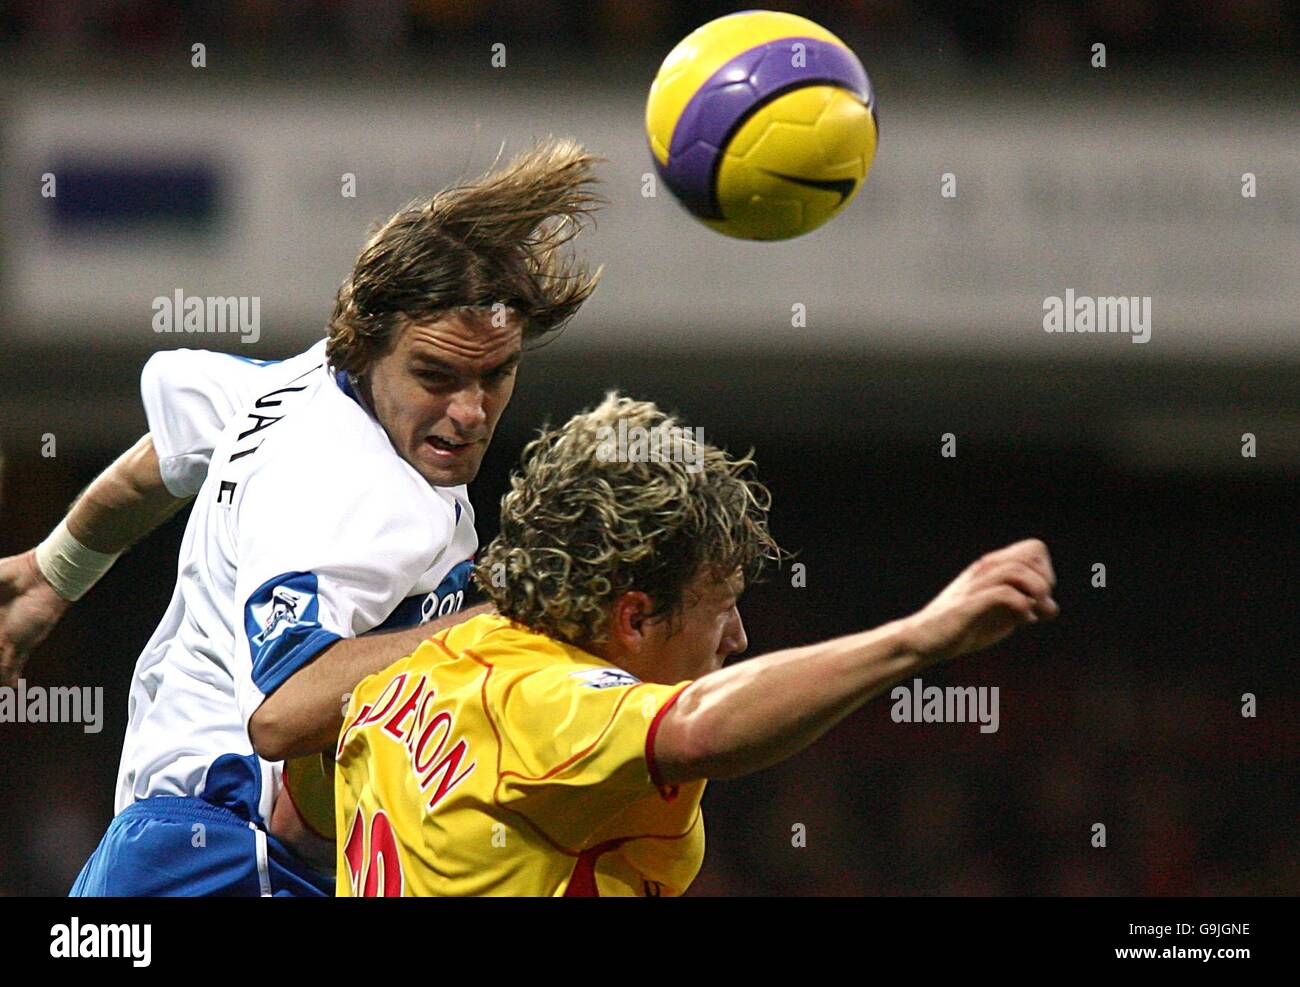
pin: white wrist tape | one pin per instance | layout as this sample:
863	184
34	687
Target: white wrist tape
70	566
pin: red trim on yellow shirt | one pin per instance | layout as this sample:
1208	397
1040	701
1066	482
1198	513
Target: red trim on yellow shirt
582	884
666	792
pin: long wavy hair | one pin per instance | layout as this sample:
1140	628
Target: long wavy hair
497	240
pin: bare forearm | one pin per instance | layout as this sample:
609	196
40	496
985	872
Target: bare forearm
305	714
124	503
762	711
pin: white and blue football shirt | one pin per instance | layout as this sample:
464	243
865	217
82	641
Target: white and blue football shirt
191	395
308	527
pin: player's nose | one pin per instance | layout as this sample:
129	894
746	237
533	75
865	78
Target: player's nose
467	410
734	639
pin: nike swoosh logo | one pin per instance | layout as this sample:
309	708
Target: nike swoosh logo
843	186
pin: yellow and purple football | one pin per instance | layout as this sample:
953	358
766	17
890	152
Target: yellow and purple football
762	124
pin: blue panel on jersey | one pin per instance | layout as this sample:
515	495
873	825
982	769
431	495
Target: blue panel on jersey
345	385
235	782
456	580
284	633
449	597
405	614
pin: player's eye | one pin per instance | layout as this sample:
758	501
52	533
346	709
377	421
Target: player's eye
434	378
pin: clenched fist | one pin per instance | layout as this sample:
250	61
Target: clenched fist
983	605
29	609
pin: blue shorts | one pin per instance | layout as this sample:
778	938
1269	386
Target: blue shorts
174	845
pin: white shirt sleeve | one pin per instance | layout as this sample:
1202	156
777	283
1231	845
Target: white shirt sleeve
325	552
189	396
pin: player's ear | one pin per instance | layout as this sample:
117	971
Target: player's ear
627	619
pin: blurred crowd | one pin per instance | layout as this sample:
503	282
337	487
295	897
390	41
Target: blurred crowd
1030	30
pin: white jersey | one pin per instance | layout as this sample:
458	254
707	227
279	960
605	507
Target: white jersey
191	395
308	528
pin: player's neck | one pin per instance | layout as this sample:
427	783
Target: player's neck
361	387
636	665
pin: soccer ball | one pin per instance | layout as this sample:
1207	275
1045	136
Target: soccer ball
762	124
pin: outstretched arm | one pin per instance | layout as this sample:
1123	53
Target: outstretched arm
188	396
122	505
762	711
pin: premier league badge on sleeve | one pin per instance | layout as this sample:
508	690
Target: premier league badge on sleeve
605	678
284	608
280	604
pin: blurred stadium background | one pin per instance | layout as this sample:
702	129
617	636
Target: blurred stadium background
923	317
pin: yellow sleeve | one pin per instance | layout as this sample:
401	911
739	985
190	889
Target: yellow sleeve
577	748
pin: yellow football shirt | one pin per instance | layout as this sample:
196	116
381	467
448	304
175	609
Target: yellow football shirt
497	761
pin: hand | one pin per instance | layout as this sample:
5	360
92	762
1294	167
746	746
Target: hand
29	609
988	601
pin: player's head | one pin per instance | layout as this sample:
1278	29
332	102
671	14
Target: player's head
629	536
444	296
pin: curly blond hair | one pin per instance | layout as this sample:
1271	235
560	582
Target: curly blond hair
585	522
497	239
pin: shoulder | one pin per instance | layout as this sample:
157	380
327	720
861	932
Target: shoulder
305	427
535	671
317	457
569	685
214	374
169	375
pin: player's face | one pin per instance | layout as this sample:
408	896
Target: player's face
440	391
708	631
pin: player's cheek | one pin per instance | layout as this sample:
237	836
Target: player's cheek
503	394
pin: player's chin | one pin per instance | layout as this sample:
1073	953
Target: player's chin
443	470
